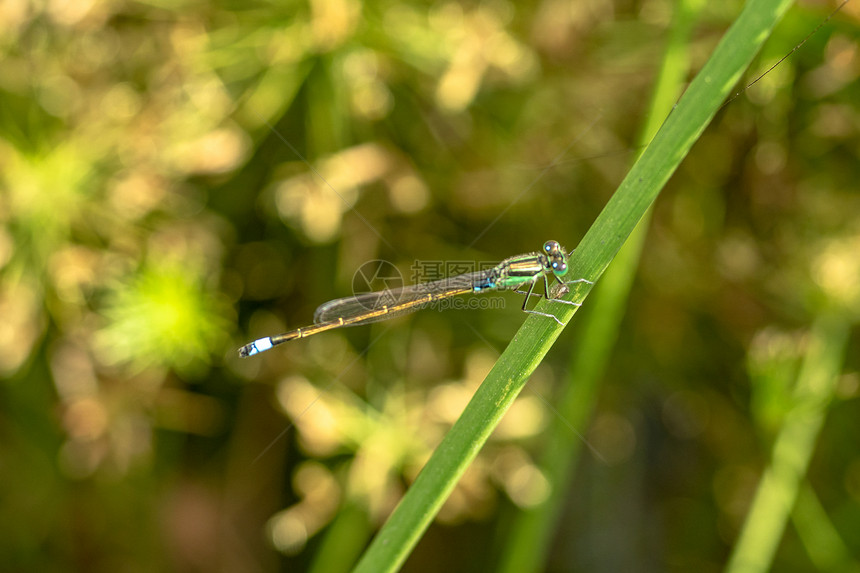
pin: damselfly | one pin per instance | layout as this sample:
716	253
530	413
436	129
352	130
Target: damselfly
513	273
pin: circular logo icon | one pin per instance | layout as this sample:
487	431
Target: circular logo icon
380	278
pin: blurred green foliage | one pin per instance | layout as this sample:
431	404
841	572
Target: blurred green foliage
177	178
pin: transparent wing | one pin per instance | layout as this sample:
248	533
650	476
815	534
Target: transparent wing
353	306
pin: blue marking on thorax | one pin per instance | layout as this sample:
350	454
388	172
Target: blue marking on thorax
483	284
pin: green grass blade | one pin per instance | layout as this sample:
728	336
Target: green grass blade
792	450
817	532
531	534
343	541
418	507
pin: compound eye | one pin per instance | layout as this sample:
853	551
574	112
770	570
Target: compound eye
559	267
551	247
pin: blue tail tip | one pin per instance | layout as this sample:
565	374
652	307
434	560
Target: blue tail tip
255	347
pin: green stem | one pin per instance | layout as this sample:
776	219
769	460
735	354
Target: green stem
603	240
531	534
792	449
